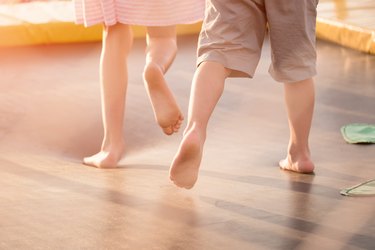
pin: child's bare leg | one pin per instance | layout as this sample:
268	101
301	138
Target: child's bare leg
299	99
160	53
208	85
117	41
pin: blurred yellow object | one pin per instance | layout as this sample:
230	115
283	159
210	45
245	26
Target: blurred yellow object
350	23
347	35
42	23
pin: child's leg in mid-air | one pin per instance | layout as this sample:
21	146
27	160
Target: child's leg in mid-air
208	86
117	41
160	53
299	99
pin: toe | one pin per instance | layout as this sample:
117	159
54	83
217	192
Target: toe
176	128
168	130
88	160
283	164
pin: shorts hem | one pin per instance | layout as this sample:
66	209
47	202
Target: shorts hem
240	68
293	76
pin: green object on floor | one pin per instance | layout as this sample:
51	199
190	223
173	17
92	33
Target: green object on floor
364	189
358	133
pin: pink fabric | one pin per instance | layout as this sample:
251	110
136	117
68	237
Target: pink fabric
138	12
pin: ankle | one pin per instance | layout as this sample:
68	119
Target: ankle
113	145
196	130
298	153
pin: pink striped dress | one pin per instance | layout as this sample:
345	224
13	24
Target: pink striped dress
138	12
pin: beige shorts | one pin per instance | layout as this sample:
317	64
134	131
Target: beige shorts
233	33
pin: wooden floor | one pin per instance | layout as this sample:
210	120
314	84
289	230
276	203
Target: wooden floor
50	119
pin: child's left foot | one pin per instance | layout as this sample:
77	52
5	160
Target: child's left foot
166	110
305	166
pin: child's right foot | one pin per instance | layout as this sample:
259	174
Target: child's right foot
185	165
105	159
166	110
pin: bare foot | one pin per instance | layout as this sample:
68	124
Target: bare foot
105	158
185	165
305	166
166	111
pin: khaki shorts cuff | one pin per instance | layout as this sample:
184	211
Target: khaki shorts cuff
240	67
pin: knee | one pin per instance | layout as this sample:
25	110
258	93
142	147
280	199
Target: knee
151	71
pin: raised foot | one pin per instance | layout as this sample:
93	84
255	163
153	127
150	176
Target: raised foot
173	126
185	165
302	166
167	113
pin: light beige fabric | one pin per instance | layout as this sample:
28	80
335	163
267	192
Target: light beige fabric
233	33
